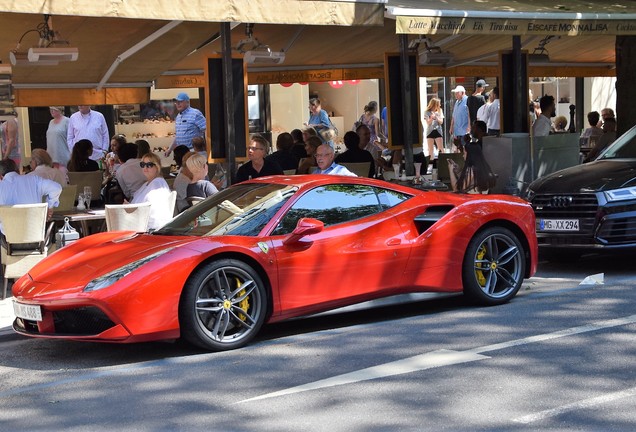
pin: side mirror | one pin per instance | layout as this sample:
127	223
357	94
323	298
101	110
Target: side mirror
304	227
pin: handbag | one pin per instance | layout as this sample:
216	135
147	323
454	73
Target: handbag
329	133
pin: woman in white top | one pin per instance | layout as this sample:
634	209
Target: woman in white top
56	137
155	191
42	166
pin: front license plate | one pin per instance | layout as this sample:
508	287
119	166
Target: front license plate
558	224
29	312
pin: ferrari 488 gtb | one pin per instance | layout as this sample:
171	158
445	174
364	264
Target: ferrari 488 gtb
276	248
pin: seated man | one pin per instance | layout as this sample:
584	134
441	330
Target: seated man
283	155
355	153
608	137
26	189
325	159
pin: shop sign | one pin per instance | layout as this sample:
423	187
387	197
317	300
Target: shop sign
179	81
487	26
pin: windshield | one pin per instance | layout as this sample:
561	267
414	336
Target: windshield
243	209
623	148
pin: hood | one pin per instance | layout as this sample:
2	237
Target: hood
601	175
95	255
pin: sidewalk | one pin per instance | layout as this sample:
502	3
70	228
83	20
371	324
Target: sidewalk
6	315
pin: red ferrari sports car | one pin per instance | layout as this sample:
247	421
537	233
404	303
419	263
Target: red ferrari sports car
272	249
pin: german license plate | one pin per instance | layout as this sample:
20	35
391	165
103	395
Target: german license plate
558	224
29	312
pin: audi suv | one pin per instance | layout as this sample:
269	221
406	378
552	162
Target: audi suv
590	206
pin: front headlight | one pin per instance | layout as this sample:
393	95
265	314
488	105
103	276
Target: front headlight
110	278
529	195
621	194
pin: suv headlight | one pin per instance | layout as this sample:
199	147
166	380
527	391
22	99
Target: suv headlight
529	195
622	194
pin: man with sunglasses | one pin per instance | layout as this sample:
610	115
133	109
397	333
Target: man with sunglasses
190	123
257	166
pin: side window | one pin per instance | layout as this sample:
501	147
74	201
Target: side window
331	204
389	198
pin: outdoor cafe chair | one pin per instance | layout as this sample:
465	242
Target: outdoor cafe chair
24	242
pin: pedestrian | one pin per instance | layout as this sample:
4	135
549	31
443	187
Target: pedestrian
90	125
56	137
189	123
476	100
460	121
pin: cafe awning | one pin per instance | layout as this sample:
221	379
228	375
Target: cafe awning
319	12
514	17
126	45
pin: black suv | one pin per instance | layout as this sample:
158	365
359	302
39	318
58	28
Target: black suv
589	206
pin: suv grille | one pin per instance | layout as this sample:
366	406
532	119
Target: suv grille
583	207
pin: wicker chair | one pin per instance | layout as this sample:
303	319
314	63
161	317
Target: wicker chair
361	169
67	198
93	179
24	245
128	217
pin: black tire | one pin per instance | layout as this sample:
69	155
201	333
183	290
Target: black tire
223	305
493	267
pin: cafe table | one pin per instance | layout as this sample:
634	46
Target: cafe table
82	217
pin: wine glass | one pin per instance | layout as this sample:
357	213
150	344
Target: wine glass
88	195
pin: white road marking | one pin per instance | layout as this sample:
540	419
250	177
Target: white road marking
587	403
412	364
558	334
440	358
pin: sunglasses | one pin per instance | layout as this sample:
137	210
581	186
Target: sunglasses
146	164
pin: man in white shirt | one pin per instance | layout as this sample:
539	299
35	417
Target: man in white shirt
26	189
325	156
543	124
90	125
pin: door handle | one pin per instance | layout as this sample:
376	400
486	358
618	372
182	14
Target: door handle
393	242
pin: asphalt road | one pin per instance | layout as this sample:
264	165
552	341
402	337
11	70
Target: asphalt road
560	356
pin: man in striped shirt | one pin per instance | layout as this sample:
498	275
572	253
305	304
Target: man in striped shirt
190	123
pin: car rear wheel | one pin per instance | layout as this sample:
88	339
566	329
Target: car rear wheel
223	305
494	266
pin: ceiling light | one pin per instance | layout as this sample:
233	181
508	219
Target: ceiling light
49	51
264	55
20	58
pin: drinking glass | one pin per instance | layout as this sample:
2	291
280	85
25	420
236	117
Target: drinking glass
88	195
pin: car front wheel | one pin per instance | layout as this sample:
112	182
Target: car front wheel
494	266
223	305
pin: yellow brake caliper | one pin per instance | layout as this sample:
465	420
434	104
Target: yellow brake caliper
243	304
481	253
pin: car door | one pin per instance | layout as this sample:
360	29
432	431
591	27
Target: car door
360	251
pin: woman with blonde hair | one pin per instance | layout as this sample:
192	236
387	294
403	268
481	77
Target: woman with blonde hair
199	187
155	191
434	117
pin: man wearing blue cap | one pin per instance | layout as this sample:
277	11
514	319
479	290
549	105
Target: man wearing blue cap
190	123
